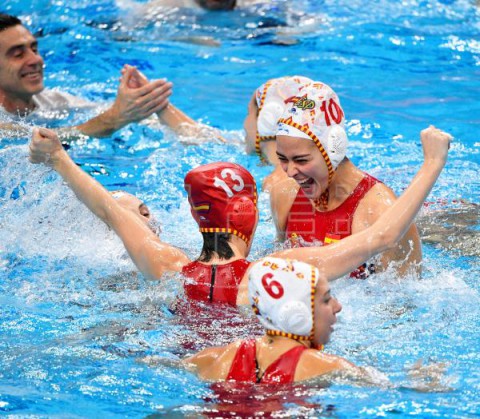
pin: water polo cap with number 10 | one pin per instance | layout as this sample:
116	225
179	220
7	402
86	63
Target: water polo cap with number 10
272	99
316	114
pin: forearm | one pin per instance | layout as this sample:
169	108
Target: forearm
87	189
13	130
282	196
404	258
338	259
396	220
174	117
102	125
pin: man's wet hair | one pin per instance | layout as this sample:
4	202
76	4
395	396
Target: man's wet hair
224	5
216	243
8	21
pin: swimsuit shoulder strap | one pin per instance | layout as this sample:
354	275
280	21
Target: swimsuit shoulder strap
282	370
243	366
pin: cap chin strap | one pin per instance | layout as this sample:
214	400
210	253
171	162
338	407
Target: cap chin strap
287	335
225	230
295	337
322	202
318	143
266	86
258	140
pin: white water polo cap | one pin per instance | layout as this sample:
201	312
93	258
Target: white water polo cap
272	99
317	115
282	294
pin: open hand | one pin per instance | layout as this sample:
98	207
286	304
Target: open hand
137	98
135	78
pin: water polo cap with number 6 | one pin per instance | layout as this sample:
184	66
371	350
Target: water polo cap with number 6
282	294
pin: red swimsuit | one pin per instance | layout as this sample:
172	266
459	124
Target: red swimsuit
307	226
217	283
281	371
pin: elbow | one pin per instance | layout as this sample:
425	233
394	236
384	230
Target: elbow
107	218
387	240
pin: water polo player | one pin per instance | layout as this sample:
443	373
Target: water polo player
330	198
227	191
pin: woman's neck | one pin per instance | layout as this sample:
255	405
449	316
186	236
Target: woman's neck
284	342
239	249
347	177
269	348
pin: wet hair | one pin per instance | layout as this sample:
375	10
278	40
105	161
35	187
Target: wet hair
7	21
224	5
216	243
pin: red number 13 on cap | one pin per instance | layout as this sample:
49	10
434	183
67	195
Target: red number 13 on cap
237	187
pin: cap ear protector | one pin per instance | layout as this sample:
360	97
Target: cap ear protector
242	214
297	316
282	294
337	144
271	111
272	99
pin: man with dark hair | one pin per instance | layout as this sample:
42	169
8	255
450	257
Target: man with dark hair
204	4
7	21
217	4
213	5
23	97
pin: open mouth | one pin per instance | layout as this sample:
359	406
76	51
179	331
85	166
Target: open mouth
306	184
32	75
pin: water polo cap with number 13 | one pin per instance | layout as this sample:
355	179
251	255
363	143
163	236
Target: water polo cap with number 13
223	199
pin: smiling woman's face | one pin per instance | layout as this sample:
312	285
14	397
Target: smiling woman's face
303	162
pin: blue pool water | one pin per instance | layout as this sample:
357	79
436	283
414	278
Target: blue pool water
76	331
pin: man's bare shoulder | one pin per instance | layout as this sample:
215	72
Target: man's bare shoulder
57	99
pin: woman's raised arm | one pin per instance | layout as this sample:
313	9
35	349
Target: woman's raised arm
152	256
338	259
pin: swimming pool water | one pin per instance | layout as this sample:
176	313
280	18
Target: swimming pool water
78	331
